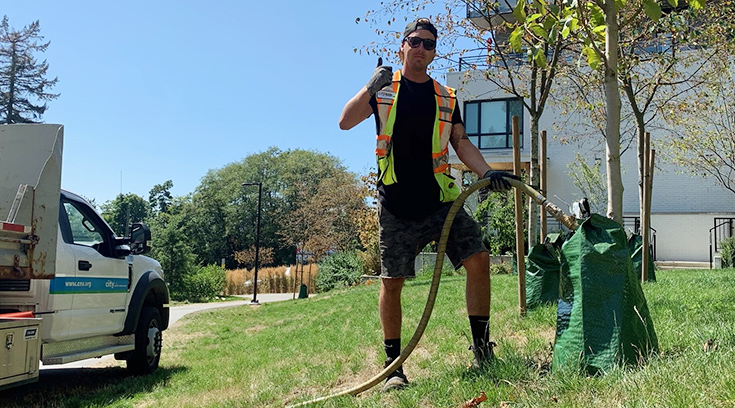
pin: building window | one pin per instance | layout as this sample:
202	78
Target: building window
489	123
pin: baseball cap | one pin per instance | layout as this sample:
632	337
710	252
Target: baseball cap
420	24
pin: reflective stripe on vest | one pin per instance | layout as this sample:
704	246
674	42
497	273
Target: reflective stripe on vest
446	102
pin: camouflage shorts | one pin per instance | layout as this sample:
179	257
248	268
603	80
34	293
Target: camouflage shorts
402	239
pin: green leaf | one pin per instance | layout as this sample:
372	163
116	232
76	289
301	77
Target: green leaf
597	16
515	39
540	58
653	9
539	31
519	12
673	3
593	60
540	6
574	25
553	35
696	4
548	24
565	31
533	17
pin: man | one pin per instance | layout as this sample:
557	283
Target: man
416	117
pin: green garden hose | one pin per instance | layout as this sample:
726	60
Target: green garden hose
569	222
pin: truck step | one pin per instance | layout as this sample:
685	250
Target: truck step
75	350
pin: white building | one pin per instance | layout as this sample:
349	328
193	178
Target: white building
684	209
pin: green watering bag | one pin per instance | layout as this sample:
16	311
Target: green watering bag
602	318
542	275
635	245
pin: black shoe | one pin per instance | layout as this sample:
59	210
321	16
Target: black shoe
396	380
483	354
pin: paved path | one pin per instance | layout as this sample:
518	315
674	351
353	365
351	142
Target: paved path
176	313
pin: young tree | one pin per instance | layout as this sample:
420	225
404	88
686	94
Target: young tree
707	147
23	79
600	41
589	180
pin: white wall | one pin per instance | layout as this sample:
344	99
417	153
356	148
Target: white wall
683	236
682	206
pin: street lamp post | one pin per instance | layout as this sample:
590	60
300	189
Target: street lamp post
257	242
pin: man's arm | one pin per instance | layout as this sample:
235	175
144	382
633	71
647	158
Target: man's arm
356	110
468	153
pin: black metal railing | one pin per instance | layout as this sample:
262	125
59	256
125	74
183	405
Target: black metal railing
723	228
485	62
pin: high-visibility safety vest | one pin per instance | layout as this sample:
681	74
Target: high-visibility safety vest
446	102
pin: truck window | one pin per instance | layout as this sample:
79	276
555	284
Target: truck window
83	230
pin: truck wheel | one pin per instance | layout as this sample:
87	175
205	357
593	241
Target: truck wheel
148	339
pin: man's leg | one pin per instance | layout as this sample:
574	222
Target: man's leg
478	284
389	305
477	294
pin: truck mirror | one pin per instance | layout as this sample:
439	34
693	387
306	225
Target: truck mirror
140	238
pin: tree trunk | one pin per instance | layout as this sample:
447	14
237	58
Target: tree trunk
641	166
612	97
533	181
641	127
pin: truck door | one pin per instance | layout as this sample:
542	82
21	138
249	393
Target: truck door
101	282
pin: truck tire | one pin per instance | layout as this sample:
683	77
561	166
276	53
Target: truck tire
148	340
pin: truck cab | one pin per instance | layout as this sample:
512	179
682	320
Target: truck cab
91	292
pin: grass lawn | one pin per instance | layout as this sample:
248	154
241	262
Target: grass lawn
288	352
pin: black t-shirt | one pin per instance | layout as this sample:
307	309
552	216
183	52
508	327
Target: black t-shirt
416	192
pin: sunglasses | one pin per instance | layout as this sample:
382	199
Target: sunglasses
414	42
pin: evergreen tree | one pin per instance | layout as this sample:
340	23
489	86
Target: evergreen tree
23	79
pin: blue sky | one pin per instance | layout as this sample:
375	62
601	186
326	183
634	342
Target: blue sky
167	90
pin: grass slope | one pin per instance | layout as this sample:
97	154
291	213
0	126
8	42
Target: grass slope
287	352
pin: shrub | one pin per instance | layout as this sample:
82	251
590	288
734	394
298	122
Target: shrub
496	216
728	253
371	259
338	270
501	269
205	283
272	279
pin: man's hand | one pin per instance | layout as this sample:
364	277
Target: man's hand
498	180
382	76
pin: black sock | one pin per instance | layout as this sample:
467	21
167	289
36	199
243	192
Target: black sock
480	327
392	348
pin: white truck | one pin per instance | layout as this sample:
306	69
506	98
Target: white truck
70	289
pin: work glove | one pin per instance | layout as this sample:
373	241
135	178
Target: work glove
382	76
498	180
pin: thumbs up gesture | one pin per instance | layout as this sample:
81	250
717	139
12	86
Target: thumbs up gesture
382	76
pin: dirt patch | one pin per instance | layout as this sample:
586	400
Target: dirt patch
255	329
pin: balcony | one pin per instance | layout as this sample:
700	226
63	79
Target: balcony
483	63
490	14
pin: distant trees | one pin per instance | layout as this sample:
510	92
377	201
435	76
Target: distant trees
24	86
308	200
123	210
